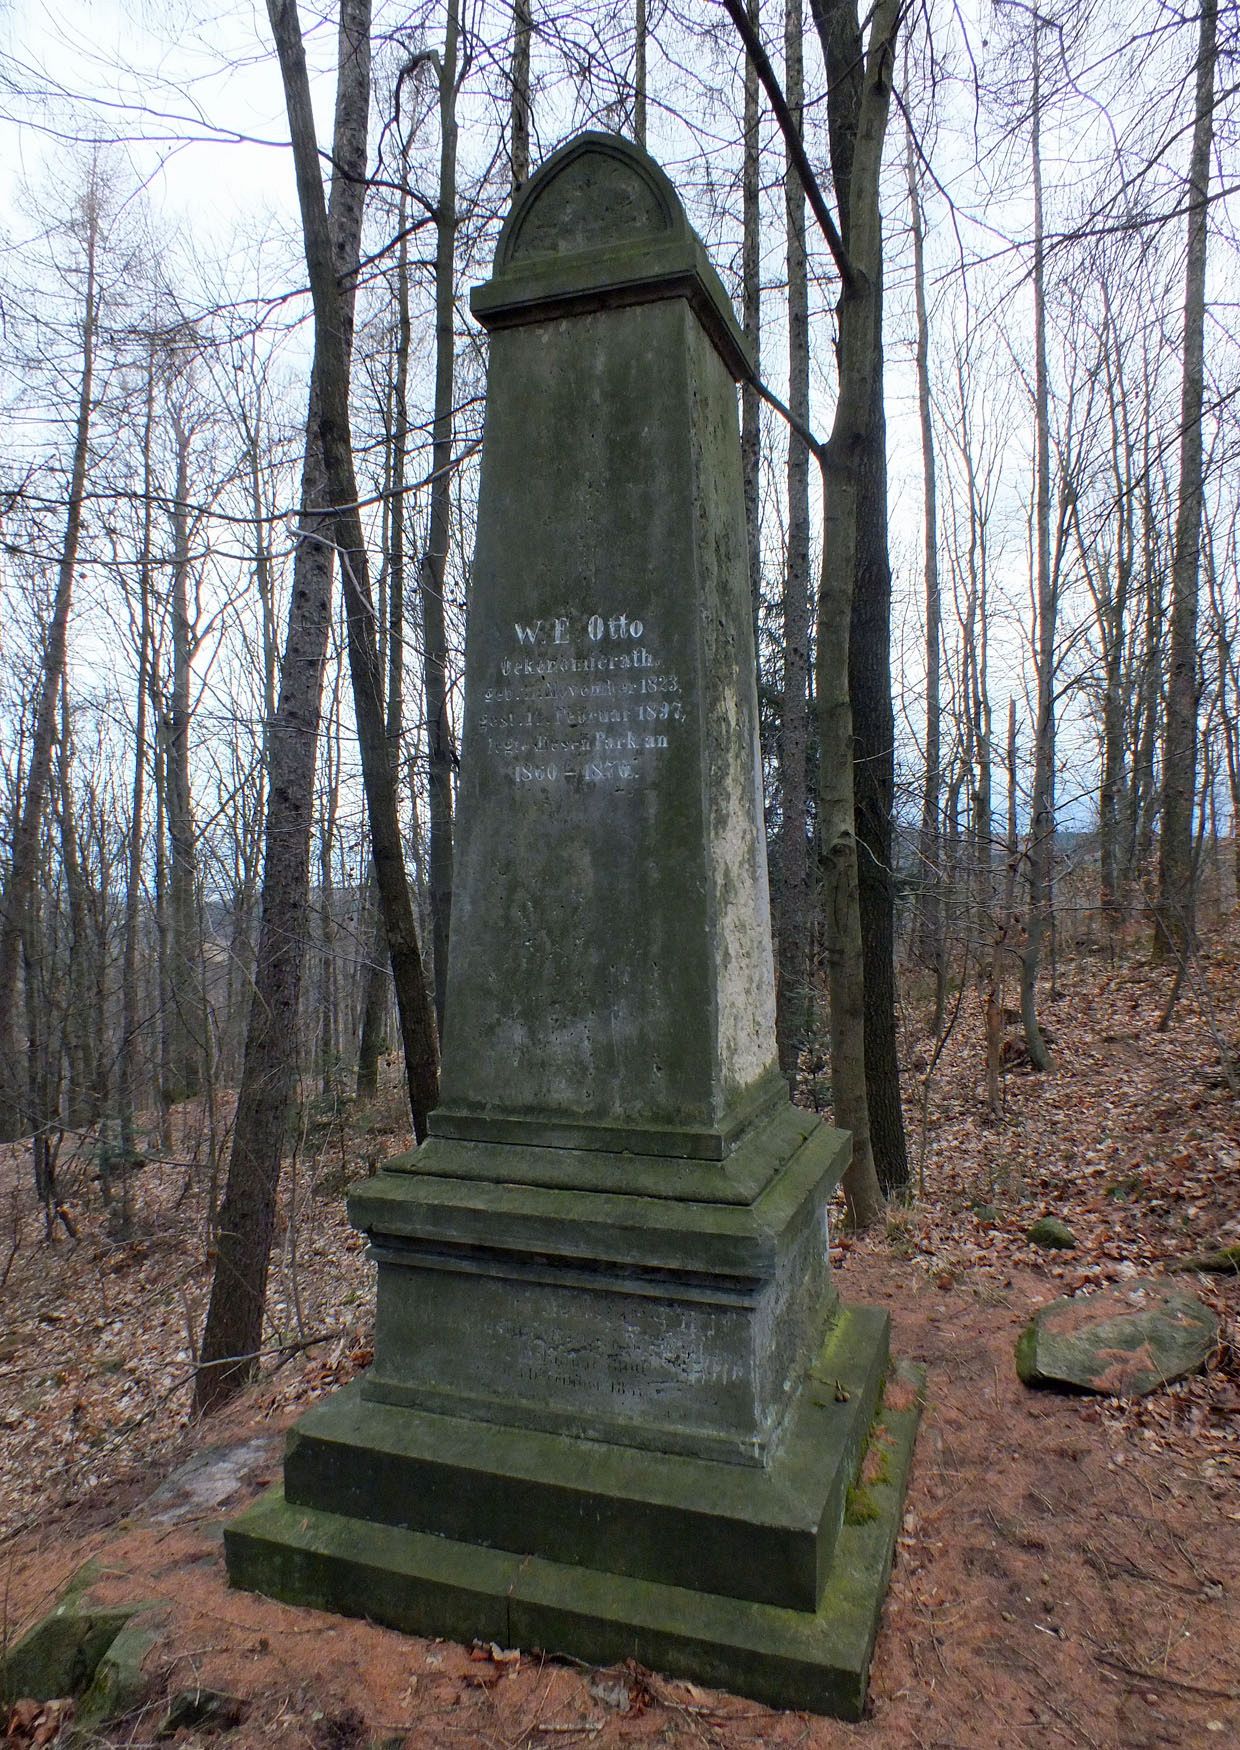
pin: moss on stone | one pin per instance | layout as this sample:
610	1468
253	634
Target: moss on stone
860	1508
1053	1234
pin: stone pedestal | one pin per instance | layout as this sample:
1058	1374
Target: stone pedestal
615	1409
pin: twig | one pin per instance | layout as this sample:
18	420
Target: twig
16	1243
1170	1682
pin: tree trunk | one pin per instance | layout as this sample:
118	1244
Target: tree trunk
441	751
860	113
233	1329
520	117
1042	813
1174	912
126	1061
326	1044
83	1045
858	100
417	1021
929	930
639	73
23	862
187	1020
378	972
794	892
751	322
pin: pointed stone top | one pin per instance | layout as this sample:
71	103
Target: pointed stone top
600	226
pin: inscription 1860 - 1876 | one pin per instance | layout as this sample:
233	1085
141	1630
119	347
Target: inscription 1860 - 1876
583	699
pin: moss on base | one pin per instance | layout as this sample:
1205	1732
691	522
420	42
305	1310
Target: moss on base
434	1585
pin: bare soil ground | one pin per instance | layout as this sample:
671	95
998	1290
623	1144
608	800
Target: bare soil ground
1069	1567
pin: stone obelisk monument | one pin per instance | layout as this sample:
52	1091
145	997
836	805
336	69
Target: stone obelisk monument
615	1409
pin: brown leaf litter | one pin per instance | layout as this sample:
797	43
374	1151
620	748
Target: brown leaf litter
1068	1568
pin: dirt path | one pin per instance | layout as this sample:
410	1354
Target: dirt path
1069	1569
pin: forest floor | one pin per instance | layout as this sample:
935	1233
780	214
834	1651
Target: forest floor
1069	1567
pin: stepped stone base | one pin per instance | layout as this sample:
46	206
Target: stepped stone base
769	1583
681	1322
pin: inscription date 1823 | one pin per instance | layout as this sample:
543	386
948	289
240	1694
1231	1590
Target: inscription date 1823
582	700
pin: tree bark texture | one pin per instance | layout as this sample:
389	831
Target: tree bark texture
379	972
639	72
1041	854
441	748
793	925
858	102
23	863
187	1019
1174	913
751	322
418	1035
232	1334
520	117
126	1061
931	946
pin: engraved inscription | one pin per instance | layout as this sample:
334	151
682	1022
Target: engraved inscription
600	1365
582	700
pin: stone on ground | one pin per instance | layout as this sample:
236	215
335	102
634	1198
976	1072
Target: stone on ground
1053	1234
120	1684
1121	1341
59	1655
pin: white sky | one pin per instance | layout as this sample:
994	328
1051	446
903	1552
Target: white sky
194	90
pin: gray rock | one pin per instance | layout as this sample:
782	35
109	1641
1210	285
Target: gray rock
1123	1342
211	1479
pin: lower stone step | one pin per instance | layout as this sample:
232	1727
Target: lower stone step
816	1659
766	1535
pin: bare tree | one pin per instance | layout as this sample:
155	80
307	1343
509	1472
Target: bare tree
233	1329
441	748
859	76
794	888
23	863
931	943
1173	916
859	264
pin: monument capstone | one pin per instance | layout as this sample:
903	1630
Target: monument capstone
616	1408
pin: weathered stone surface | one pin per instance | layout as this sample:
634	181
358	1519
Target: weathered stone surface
611	982
1053	1234
210	1479
715	1527
120	1684
656	1322
1122	1341
614	1410
814	1658
59	1654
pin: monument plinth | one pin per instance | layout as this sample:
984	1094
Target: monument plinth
615	1409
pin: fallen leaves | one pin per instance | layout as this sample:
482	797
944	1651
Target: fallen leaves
97	1361
30	1724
